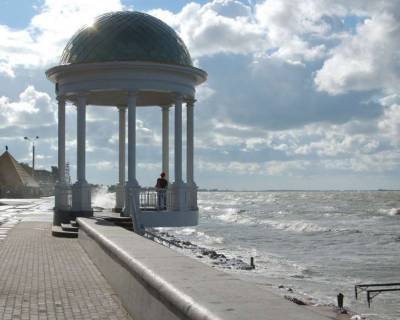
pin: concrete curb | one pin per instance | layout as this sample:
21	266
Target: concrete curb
155	282
178	302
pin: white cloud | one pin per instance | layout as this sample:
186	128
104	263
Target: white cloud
378	163
6	69
103	165
229	26
390	124
291	30
266	168
204	92
33	108
318	139
355	146
150	166
285	167
286	23
220	26
42	42
368	60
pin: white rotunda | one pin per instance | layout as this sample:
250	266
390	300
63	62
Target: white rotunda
127	60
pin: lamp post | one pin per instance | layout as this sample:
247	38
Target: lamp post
33	152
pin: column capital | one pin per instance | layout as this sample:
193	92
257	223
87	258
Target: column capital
177	96
132	93
121	108
61	99
131	96
190	102
165	107
81	98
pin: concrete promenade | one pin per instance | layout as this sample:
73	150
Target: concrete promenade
42	277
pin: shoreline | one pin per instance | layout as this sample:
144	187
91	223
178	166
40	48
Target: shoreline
238	267
163	277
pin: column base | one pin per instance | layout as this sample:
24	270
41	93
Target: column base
192	196
81	198
62	196
61	216
177	196
132	206
119	198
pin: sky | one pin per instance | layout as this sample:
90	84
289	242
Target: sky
301	94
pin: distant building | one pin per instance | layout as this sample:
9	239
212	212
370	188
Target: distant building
15	181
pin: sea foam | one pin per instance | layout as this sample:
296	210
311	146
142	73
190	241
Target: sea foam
296	226
390	212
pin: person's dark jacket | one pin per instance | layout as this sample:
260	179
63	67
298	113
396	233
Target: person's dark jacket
162	183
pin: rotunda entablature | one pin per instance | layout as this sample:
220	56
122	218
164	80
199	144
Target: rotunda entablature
105	83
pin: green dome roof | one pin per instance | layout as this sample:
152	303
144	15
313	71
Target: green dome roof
126	36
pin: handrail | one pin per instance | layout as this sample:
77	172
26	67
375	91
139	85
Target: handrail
375	292
160	199
153	198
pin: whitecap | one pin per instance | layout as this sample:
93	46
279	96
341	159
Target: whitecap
269	199
357	317
186	231
206	239
232	215
296	226
103	199
390	212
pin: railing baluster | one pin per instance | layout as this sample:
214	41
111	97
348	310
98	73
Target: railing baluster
148	199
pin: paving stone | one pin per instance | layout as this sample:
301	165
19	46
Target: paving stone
43	277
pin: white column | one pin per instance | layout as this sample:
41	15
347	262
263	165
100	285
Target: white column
132	139
165	141
178	187
61	139
81	195
178	139
189	142
120	194
61	189
81	139
132	205
191	185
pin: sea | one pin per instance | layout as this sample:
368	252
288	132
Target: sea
312	245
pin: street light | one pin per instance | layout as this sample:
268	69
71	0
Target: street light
33	151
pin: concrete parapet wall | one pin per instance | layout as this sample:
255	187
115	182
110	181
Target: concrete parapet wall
155	282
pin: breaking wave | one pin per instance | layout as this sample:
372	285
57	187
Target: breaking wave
297	226
235	216
103	199
192	233
390	212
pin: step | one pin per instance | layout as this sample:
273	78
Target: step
118	219
57	231
74	223
69	227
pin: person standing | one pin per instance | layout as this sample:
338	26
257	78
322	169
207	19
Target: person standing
161	186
